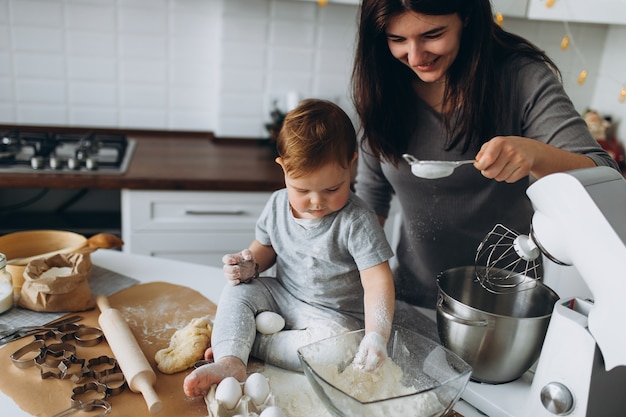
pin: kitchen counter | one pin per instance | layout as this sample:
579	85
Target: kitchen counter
209	281
175	161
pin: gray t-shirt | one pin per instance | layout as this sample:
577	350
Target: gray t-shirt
444	220
320	265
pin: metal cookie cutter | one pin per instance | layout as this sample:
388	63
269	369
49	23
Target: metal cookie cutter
85	393
88	336
115	383
86	407
96	369
21	357
55	353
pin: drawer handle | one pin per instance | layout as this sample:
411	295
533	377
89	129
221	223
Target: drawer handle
234	212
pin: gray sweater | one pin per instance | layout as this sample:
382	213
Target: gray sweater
444	220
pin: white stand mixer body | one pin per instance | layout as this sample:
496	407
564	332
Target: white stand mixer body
580	219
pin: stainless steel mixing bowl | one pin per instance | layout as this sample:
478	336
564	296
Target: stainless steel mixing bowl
499	335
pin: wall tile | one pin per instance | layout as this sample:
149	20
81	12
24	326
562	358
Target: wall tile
37	39
36	91
94	116
37	13
41	114
91	43
33	65
98	94
91	16
151	71
98	69
143	20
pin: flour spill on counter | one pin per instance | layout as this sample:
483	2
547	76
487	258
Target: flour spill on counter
158	319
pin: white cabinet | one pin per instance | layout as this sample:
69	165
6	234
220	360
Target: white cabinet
512	8
596	11
192	226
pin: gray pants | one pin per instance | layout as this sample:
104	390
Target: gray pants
234	330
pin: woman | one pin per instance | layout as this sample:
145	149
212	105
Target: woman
438	79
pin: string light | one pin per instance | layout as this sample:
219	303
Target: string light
322	3
582	77
499	19
622	95
565	43
550	3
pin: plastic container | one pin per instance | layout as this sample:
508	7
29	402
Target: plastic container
6	286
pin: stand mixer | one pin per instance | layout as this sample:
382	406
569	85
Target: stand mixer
579	220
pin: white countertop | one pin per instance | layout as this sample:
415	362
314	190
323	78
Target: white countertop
207	280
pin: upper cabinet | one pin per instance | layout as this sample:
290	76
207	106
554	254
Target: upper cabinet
513	8
587	11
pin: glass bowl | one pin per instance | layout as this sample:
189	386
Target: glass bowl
422	378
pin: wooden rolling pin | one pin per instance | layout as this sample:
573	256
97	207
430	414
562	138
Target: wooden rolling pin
139	375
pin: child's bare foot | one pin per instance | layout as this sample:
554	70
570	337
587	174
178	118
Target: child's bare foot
199	382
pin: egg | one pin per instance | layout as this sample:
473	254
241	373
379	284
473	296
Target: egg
272	411
268	322
257	388
228	392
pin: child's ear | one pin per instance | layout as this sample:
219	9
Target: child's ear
280	162
354	158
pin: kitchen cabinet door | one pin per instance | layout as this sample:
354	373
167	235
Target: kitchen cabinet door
596	11
193	226
512	8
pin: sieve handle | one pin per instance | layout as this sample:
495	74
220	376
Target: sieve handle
448	315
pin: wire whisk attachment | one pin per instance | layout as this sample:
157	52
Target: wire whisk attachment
507	261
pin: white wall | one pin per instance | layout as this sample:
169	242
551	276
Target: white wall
218	64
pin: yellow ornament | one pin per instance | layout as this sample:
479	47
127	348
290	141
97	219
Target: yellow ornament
582	77
565	43
499	19
622	95
550	3
322	3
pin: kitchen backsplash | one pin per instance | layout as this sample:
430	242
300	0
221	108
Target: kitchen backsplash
220	64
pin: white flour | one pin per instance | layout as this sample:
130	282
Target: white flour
295	396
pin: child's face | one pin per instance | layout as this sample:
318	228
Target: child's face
319	193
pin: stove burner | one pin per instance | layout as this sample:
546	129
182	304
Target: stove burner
61	152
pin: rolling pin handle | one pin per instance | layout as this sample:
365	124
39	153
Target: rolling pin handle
103	303
149	395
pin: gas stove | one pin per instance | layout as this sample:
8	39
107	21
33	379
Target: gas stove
64	151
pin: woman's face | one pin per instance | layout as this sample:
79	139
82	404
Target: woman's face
426	44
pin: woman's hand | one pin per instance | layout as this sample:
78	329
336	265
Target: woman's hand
240	267
511	158
507	158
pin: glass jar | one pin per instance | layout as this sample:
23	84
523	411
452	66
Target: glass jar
6	285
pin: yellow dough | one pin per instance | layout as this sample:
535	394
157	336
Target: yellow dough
186	347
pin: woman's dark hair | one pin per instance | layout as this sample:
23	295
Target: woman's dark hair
382	91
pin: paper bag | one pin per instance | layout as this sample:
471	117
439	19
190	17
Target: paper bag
58	283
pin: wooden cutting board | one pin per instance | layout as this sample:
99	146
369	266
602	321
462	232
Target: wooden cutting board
154	311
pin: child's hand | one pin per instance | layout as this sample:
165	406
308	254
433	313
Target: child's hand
240	267
372	352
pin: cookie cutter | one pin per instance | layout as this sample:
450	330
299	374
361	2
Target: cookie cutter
88	336
19	357
86	407
105	387
52	355
85	393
